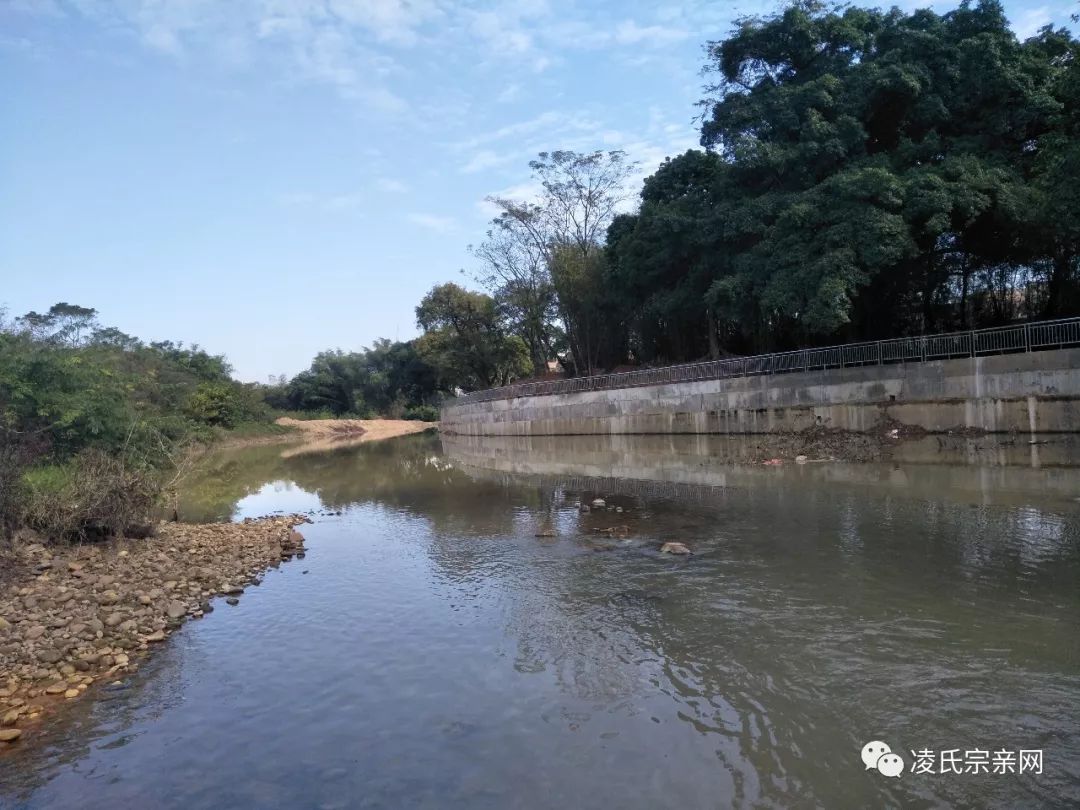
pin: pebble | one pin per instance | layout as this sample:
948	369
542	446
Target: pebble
10	734
674	548
77	612
232	600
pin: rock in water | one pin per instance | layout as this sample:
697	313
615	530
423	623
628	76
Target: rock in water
157	635
232	600
674	548
599	503
10	734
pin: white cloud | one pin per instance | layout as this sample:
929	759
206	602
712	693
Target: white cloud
547	122
630	33
485	159
348	201
1028	22
509	93
433	222
348	44
391	185
44	8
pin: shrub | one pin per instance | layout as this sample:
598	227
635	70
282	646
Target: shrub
422	413
17	452
94	495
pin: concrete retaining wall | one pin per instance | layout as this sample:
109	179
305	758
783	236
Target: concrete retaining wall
1031	392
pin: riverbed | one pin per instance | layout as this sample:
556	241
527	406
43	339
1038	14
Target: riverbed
462	635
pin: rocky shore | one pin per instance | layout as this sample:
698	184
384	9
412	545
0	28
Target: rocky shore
71	615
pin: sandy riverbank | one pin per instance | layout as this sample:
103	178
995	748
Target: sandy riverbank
74	615
317	435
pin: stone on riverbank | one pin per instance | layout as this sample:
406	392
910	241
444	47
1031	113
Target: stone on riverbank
72	615
10	734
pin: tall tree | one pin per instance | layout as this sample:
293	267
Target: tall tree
580	194
515	269
867	173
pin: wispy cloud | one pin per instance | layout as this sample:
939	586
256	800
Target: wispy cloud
391	185
509	93
486	159
629	32
322	202
1027	23
433	222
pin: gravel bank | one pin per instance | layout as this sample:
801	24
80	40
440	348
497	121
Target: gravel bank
73	615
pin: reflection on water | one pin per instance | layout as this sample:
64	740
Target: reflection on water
433	651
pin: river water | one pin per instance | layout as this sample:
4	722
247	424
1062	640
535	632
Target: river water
431	651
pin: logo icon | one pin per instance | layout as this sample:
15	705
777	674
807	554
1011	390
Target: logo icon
878	756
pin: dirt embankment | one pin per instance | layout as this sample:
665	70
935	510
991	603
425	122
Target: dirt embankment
326	434
74	615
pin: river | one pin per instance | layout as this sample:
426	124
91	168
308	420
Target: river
432	651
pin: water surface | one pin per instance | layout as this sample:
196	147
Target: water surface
432	651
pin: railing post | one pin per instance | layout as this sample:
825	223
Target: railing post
971	337
879	360
1027	339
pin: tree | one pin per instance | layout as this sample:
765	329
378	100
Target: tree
466	341
515	270
63	323
580	195
866	174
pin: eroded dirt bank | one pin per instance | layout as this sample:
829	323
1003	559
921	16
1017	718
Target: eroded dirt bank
75	614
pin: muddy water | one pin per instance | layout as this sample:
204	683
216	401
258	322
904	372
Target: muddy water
432	651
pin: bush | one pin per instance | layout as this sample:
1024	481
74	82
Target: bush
17	452
422	413
94	495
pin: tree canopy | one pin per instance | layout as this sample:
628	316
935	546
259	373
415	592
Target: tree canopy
866	173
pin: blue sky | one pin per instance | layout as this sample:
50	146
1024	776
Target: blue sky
270	178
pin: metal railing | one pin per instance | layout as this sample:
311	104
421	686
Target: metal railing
1022	337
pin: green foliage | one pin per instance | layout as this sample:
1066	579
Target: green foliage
868	173
383	379
73	395
224	404
466	341
422	413
536	247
